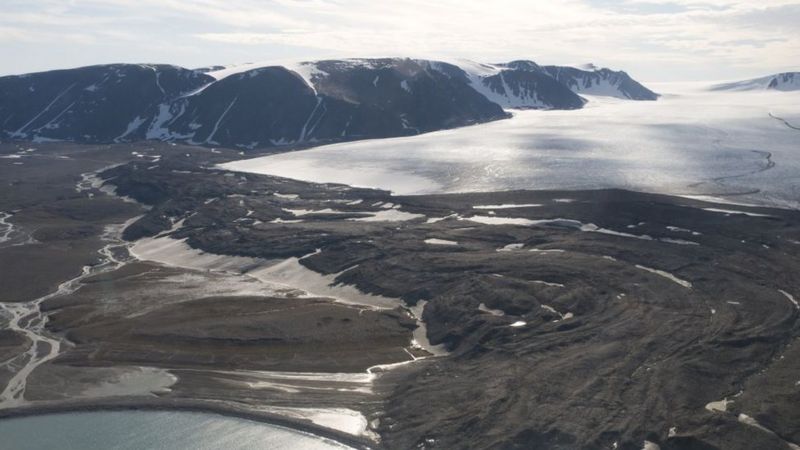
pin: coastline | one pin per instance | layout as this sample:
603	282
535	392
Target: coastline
186	405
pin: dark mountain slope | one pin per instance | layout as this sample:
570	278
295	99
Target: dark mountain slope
90	104
257	106
601	82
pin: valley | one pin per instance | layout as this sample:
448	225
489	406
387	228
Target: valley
301	304
405	225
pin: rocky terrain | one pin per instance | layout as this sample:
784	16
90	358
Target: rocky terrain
86	324
574	319
264	106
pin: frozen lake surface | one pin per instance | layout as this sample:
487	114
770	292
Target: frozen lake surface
162	430
691	141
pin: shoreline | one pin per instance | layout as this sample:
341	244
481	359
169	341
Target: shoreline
186	405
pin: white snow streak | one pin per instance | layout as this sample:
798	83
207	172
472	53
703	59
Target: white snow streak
219	121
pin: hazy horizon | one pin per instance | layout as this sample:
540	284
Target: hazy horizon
653	40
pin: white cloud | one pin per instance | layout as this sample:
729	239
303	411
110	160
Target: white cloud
662	39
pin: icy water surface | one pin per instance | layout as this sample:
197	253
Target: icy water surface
135	430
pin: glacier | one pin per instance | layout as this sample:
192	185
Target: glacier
692	141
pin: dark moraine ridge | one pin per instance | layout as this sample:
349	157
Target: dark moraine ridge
597	319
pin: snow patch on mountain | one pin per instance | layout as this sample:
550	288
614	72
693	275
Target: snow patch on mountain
591	80
133	126
788	81
308	71
601	87
348	99
505	96
504	84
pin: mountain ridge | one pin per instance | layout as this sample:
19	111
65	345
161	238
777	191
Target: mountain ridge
253	106
785	81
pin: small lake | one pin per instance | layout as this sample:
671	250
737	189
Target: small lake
162	430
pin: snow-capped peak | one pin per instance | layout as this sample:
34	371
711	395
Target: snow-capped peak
306	69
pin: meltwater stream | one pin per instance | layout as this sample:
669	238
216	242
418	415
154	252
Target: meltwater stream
126	429
28	319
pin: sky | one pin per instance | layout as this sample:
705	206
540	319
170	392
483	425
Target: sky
653	40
